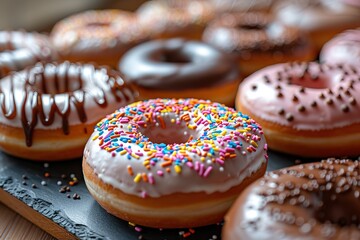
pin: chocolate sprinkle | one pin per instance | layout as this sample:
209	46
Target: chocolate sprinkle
345	108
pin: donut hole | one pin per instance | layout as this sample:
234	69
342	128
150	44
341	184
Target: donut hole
175	57
55	79
251	26
169	133
341	209
308	81
98	25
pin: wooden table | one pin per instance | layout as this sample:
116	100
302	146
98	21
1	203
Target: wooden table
13	226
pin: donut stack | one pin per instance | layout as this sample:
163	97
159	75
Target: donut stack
146	99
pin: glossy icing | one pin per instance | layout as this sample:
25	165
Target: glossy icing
310	201
344	48
177	64
311	15
21	49
304	96
53	96
162	146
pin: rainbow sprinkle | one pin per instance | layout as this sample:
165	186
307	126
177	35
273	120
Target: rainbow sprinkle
212	132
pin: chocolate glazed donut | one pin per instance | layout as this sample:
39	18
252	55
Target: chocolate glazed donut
310	201
174	68
57	104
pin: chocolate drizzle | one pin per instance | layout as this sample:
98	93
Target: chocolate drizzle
50	91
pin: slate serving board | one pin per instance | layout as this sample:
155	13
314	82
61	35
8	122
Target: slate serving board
32	190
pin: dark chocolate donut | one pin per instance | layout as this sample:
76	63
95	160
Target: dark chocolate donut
177	64
311	201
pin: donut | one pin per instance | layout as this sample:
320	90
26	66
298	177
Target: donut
99	36
310	201
256	40
306	109
178	68
343	48
355	3
48	111
225	6
321	19
19	49
173	163
176	18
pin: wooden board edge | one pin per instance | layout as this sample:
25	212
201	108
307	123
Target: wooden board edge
35	217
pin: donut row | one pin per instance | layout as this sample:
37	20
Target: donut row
156	154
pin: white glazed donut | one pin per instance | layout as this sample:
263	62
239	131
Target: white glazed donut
173	163
48	111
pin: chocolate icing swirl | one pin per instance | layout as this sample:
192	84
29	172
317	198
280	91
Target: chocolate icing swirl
177	64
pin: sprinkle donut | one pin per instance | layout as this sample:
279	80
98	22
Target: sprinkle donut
256	40
307	109
22	49
97	36
310	201
48	111
171	163
344	48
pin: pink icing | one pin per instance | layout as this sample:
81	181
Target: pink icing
344	48
304	96
352	2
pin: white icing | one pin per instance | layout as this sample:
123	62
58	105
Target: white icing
112	169
92	80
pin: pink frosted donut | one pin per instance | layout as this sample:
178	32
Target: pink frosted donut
21	49
355	3
173	163
344	48
307	109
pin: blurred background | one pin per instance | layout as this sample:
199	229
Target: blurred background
41	15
